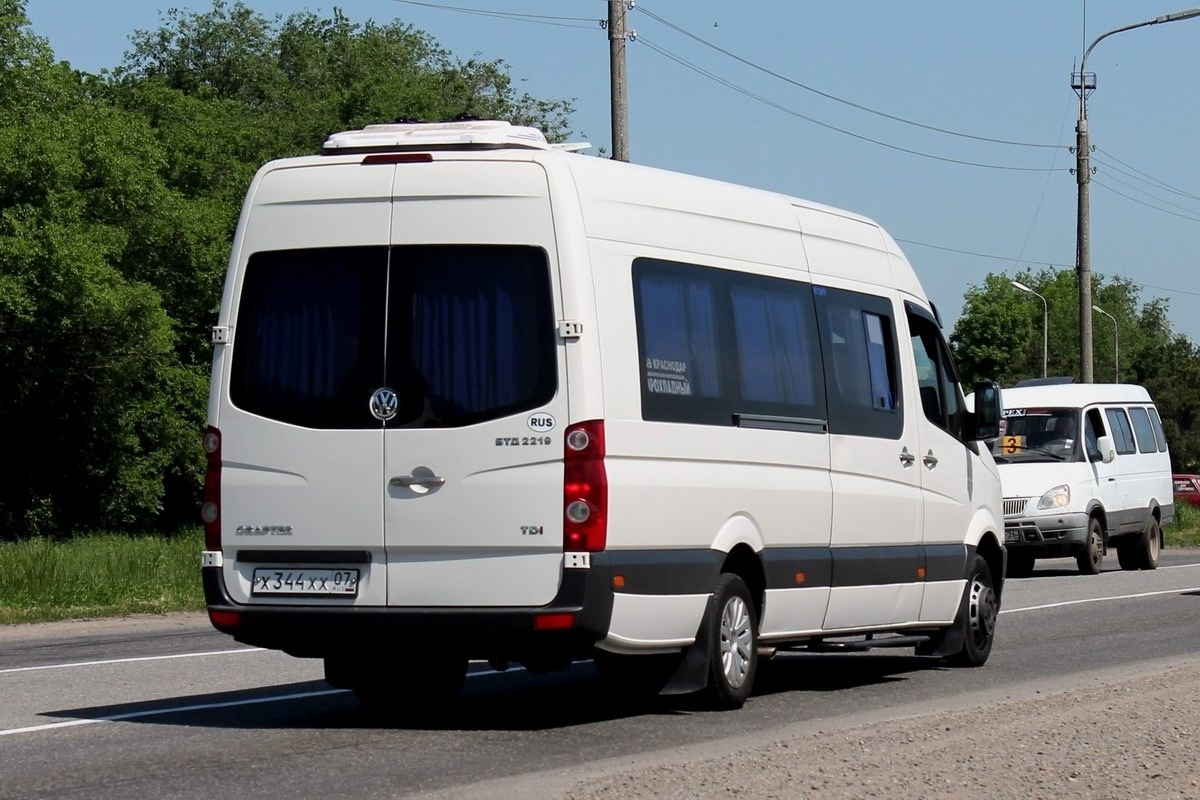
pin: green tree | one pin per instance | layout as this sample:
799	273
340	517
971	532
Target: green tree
119	194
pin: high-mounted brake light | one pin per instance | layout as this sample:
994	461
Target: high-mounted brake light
585	488
210	511
397	158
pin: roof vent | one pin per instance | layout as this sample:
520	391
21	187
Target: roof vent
463	135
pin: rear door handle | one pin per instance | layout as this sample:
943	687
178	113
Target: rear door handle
424	481
930	460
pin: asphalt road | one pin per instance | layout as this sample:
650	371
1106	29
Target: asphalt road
167	707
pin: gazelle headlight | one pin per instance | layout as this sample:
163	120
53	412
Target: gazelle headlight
1058	497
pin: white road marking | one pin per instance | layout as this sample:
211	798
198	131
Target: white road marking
131	660
172	710
1098	600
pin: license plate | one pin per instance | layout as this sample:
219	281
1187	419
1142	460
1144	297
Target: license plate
1012	536
340	582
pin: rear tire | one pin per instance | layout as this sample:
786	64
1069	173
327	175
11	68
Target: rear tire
1091	558
978	620
733	648
1149	546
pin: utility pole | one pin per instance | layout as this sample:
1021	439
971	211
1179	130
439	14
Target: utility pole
1085	83
616	56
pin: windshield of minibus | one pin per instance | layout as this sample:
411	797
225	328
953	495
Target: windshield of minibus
1029	435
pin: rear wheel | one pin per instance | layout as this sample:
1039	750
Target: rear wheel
978	617
1143	554
1091	558
733	649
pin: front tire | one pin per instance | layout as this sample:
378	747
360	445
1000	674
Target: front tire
978	618
1091	558
733	649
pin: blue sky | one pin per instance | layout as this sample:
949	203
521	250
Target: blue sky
998	71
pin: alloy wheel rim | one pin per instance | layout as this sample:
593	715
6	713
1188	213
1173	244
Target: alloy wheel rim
736	638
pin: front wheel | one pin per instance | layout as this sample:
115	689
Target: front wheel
733	648
1091	558
977	618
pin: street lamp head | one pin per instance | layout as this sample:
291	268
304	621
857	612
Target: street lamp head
1021	286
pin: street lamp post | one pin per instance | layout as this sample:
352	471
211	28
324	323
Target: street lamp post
1045	321
1083	173
1116	344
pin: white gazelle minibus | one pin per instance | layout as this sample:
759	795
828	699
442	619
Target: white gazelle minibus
1084	468
479	397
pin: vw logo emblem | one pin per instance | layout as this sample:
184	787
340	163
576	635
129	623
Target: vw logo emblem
383	404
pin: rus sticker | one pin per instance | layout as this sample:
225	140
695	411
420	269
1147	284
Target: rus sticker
540	423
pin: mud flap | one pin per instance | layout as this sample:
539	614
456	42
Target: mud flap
952	641
692	673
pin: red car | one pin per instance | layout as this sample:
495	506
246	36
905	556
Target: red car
1187	489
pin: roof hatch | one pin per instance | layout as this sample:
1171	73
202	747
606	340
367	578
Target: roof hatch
468	135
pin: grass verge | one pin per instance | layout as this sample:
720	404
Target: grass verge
113	575
100	575
1185	530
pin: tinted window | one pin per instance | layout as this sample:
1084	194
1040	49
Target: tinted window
1122	433
469	335
717	346
941	398
308	337
1158	430
858	344
1143	430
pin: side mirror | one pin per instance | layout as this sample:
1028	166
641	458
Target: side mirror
1107	451
985	419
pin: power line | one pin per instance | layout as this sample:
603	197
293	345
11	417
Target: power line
541	19
711	76
1148	179
835	98
1147	205
1050	264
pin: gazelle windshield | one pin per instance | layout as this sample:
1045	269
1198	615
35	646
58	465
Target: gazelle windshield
1039	434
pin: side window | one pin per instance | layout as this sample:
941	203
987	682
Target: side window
858	343
1158	429
941	398
1143	430
1093	429
1122	433
718	347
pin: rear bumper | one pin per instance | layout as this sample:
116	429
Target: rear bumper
477	632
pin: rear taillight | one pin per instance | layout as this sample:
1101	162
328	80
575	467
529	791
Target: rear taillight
585	488
210	511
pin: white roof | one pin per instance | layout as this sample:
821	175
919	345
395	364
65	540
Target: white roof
1073	395
426	134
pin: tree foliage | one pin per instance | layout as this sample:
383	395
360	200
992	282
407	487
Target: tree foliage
119	194
1000	336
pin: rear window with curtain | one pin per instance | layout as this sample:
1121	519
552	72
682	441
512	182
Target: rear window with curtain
309	334
462	334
